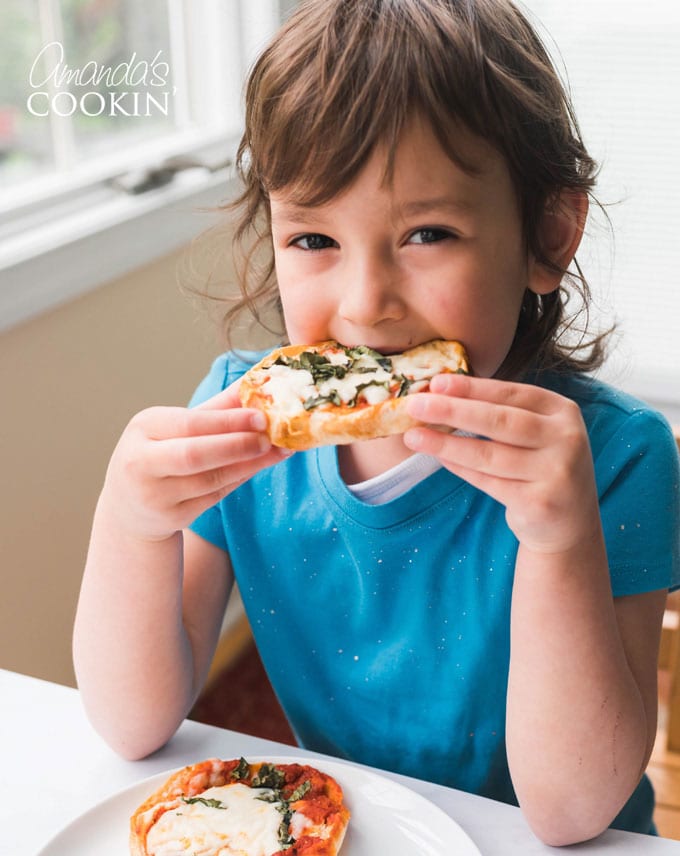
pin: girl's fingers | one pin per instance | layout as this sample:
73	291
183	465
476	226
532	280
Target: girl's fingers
516	414
497	460
517	395
518	429
182	456
499	422
165	423
501	490
215	484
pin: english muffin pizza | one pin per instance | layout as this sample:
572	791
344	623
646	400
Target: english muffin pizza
233	808
315	395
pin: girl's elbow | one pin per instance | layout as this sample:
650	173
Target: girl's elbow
560	827
132	746
132	752
556	836
131	736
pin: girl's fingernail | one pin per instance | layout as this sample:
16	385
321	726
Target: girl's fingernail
416	407
258	421
439	383
413	438
265	443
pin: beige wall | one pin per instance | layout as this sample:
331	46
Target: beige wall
69	382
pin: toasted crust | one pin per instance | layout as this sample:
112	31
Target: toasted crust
322	803
330	424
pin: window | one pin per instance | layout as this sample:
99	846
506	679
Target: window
82	78
623	67
87	83
100	101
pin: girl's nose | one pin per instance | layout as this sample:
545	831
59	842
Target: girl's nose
370	293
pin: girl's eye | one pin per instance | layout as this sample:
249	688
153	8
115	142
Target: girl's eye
429	236
314	242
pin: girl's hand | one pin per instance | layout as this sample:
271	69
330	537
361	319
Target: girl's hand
531	454
173	463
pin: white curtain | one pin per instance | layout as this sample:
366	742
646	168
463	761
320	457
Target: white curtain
622	62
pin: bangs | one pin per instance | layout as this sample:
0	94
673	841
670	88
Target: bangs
320	104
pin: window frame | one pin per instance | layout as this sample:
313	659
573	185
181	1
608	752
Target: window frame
61	237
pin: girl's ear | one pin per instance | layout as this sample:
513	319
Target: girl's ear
560	232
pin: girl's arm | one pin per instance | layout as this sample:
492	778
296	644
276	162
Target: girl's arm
152	598
581	714
582	694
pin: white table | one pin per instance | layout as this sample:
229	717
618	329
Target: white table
52	760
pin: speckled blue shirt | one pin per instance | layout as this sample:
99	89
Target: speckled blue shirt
385	629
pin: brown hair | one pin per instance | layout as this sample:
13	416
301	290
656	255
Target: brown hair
343	76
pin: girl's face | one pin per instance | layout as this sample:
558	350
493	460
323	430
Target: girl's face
435	253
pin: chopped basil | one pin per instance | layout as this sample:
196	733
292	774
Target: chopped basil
286	840
275	796
360	387
320	367
270	796
300	791
315	400
242	771
365	351
404	384
268	777
310	359
207	802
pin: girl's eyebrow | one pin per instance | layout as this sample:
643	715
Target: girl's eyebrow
293	213
437	203
303	214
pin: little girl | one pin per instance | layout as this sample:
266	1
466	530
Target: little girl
480	608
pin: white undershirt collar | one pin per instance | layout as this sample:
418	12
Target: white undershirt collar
395	481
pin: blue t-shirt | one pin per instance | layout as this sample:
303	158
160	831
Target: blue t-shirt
385	629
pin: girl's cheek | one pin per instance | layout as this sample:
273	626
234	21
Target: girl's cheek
304	320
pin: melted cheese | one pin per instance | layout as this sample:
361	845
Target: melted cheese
301	825
291	387
288	387
247	826
347	386
420	366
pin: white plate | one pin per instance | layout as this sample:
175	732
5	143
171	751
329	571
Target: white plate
387	818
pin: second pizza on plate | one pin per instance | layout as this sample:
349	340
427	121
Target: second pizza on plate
219	808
